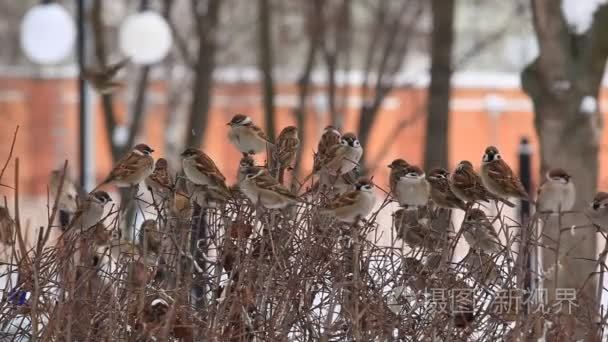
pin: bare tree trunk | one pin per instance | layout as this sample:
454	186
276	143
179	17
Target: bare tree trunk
207	21
266	62
568	69
437	123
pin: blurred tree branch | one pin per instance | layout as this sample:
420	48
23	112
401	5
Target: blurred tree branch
266	63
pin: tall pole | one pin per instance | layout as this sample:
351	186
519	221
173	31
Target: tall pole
85	122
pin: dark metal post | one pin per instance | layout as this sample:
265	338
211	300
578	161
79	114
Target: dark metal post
82	96
527	250
525	174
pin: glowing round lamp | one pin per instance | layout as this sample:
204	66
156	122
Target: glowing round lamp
47	34
145	37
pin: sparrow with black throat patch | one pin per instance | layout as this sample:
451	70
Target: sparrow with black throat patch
353	205
261	188
343	157
597	211
441	194
90	212
200	169
246	136
131	169
498	177
479	232
409	186
468	186
557	193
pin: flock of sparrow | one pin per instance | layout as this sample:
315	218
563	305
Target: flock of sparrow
336	165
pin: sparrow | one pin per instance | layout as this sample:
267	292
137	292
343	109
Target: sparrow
409	185
412	227
398	169
150	237
441	193
468	186
201	170
90	212
330	137
245	162
285	149
206	197
498	177
343	157
102	80
131	169
479	232
557	193
7	227
260	186
246	136
481	267
598	211
353	205
160	182
68	199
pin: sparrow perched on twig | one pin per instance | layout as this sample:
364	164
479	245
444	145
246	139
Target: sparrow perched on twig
160	182
479	232
557	193
260	186
285	149
468	186
246	136
103	80
414	229
441	194
598	211
7	227
131	169
330	137
150	237
408	184
498	177
343	157
68	199
353	205
90	212
245	162
200	169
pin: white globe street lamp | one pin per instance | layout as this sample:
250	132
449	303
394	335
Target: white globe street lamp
47	34
145	37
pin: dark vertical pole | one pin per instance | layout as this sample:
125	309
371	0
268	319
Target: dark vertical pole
82	97
525	174
526	248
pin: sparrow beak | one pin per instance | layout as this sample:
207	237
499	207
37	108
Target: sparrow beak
389	166
596	206
229	124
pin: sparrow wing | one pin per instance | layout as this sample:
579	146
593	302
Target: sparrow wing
469	183
162	178
128	165
260	133
206	166
502	174
285	148
346	200
268	182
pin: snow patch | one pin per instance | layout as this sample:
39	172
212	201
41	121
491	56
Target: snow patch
579	14
588	105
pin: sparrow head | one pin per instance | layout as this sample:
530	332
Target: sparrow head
148	225
246	161
143	149
190	152
101	197
600	201
350	139
331	129
414	172
475	215
464	165
161	164
491	154
559	175
364	184
289	130
438	174
253	172
399	164
240	120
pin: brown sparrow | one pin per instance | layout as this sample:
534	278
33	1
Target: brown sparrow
68	199
398	169
498	177
90	212
285	150
557	193
201	170
102	80
246	136
353	205
409	186
479	232
160	182
245	162
342	158
412	227
260	186
7	227
468	186
150	238
598	211
441	194
330	137
131	169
